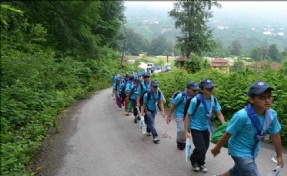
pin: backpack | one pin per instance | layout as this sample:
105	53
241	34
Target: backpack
142	95
131	92
174	96
218	133
149	94
186	106
123	90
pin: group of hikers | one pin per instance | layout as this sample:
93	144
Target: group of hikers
193	111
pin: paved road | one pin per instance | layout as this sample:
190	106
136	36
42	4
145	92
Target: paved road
96	139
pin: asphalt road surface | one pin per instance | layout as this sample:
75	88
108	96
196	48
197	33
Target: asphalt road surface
97	139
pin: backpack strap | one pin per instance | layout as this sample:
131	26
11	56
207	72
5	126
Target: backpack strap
149	95
196	106
208	112
187	105
183	95
260	131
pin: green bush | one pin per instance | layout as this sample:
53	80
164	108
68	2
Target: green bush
231	89
35	87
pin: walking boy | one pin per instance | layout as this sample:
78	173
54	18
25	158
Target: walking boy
177	105
132	97
198	122
243	136
127	101
150	100
144	86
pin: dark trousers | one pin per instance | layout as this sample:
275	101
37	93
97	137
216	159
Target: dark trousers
149	120
134	104
201	143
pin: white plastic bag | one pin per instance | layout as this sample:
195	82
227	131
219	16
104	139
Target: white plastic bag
142	125
187	149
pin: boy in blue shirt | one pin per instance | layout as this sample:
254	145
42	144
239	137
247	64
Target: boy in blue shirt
242	135
127	101
116	92
145	85
132	97
198	123
148	109
177	105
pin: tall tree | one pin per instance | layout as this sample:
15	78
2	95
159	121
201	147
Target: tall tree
79	26
255	54
191	18
236	48
274	53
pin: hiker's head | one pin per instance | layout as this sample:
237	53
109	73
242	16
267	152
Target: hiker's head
191	88
206	86
137	81
119	79
260	95
131	78
154	84
146	77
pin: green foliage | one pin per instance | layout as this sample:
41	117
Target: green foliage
193	64
160	46
191	18
274	53
231	89
283	68
238	65
48	61
134	42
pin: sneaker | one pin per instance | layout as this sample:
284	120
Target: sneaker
156	139
195	167
148	133
203	168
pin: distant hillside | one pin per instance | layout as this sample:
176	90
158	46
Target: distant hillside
251	26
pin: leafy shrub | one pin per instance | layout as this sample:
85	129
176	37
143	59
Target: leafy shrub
231	89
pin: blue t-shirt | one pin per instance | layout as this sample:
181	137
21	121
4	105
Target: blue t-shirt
151	103
128	87
243	132
145	86
133	89
199	120
117	88
179	104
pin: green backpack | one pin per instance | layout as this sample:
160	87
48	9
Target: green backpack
218	133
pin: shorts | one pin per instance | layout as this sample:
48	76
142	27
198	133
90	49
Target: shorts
244	167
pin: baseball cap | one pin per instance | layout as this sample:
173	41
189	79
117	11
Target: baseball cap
206	83
119	78
154	83
258	88
137	80
146	75
131	77
192	85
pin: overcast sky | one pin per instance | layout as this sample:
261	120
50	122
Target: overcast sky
259	5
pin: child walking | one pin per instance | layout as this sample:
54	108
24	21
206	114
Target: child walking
198	123
246	131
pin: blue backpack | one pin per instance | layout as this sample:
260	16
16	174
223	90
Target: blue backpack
184	94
